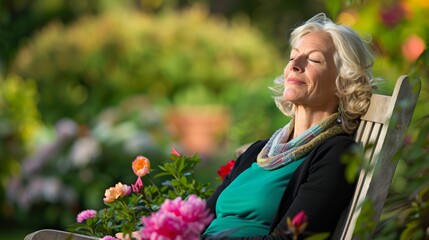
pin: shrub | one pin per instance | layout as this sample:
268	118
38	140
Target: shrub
97	61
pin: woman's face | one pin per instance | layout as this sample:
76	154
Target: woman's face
309	77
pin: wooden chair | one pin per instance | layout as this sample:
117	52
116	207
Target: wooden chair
50	234
382	128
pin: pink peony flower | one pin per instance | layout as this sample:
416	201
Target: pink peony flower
108	238
86	214
177	219
193	212
172	206
163	225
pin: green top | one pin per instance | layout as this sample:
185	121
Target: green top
248	205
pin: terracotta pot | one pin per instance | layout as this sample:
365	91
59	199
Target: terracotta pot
199	129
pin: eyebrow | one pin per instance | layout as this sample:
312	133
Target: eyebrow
311	51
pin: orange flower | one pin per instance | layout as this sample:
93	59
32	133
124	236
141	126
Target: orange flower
114	193
123	189
111	194
413	47
141	166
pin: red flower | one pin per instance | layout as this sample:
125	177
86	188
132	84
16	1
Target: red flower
392	15
298	224
225	169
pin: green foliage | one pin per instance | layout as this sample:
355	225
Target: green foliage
19	122
182	181
19	114
173	178
417	227
333	7
398	31
365	221
86	72
129	52
319	236
354	161
75	162
409	205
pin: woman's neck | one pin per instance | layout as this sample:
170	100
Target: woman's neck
305	119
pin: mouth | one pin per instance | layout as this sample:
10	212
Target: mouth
296	81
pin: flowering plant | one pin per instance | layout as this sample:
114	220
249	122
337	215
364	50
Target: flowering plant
225	169
145	211
298	224
296	228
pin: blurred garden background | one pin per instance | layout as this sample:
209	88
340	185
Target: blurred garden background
87	85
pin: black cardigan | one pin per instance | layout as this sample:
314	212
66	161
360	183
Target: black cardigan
318	187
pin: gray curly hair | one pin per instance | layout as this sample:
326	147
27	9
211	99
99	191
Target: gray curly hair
353	60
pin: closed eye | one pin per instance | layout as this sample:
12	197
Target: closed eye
315	61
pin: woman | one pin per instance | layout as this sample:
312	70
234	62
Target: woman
325	88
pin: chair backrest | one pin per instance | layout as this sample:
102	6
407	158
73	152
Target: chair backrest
382	129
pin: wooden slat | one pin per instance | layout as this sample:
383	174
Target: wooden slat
359	132
374	140
378	110
366	133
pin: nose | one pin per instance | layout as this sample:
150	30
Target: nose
295	66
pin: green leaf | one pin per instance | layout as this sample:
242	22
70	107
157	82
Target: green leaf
174	183
319	236
333	7
162	174
170	168
183	180
410	230
181	166
353	161
365	220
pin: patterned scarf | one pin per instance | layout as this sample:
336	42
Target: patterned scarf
279	152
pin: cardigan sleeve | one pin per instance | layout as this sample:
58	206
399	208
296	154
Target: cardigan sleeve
318	187
322	191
